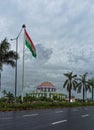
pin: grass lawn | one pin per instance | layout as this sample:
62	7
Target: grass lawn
41	105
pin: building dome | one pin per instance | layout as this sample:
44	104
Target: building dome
46	86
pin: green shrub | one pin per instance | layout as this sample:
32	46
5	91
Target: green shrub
40	105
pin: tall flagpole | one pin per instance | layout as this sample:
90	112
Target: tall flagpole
23	67
16	39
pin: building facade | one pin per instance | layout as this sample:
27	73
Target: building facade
48	90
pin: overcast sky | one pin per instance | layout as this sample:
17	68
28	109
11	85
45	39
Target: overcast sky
63	33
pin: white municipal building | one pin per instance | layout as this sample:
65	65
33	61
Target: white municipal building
47	89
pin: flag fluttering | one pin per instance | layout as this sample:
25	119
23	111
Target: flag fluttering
29	43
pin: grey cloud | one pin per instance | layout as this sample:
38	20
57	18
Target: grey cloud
65	29
43	55
77	58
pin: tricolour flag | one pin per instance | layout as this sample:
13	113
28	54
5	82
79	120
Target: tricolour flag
29	43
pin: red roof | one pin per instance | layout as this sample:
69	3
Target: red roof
46	85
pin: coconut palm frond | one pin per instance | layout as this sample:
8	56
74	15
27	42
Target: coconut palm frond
74	76
11	55
75	85
65	83
7	56
9	62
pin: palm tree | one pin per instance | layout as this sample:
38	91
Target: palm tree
10	97
91	83
4	92
83	84
70	83
7	56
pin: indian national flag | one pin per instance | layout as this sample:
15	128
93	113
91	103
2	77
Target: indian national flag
29	43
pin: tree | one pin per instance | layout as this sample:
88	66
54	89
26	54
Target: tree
83	84
4	92
27	98
10	97
91	83
70	83
7	56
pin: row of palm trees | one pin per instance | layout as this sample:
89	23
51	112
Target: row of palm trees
78	83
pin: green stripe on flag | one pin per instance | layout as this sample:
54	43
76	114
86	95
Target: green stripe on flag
30	48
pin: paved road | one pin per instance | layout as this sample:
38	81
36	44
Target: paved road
81	118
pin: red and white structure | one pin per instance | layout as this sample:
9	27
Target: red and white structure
48	90
46	87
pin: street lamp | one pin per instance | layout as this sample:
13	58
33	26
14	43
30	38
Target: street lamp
16	67
16	39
